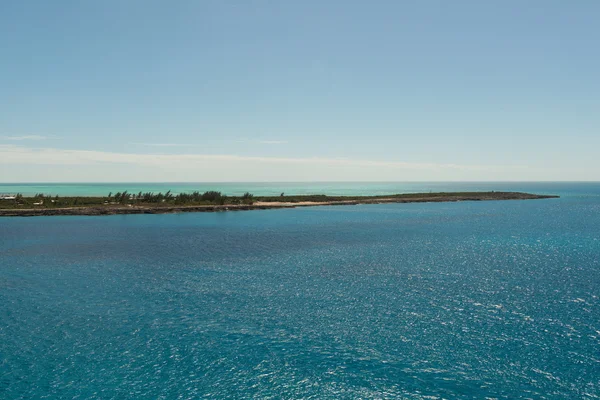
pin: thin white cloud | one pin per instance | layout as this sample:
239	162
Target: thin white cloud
261	141
273	141
25	137
13	154
19	163
166	144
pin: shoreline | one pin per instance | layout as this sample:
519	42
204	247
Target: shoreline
110	209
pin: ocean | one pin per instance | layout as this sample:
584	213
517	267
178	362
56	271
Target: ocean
467	300
274	188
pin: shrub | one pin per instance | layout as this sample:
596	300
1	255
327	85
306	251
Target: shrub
248	198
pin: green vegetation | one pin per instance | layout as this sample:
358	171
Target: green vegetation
41	200
321	198
213	198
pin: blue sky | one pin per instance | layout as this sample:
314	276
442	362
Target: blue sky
299	90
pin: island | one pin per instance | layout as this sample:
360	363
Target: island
213	201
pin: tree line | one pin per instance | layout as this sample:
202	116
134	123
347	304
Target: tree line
125	197
196	197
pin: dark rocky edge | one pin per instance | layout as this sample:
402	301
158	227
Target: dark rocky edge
267	205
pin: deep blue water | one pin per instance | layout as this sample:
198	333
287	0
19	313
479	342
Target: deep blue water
448	300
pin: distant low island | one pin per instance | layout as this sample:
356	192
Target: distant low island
212	201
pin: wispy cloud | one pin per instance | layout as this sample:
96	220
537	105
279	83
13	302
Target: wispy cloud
261	141
166	144
45	164
14	154
25	137
272	141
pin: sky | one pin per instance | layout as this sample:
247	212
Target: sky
313	90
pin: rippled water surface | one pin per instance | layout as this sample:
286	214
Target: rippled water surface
446	300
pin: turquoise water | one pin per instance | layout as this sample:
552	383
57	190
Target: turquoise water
447	300
268	188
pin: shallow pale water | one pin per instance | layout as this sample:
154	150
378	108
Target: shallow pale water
449	300
270	188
